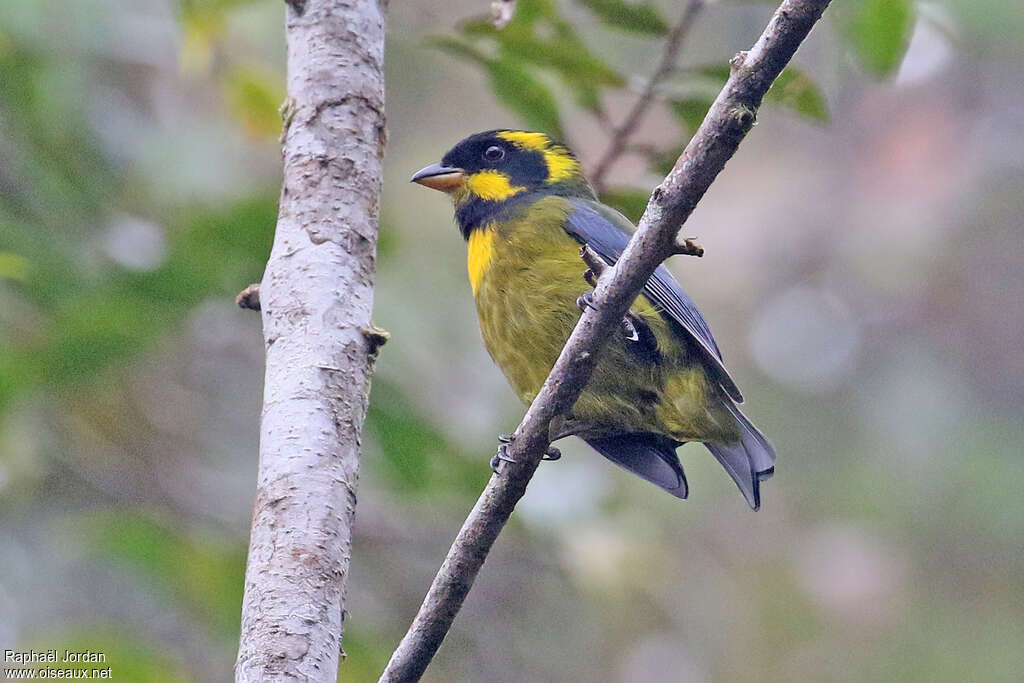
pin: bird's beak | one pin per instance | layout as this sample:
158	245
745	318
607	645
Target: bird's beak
439	177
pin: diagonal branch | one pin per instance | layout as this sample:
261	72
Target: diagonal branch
669	56
728	121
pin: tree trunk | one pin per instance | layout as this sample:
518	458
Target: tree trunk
316	298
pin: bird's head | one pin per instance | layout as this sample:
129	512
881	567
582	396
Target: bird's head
486	172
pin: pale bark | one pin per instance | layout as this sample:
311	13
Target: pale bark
731	116
316	298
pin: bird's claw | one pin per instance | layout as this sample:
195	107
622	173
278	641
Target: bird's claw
502	455
585	301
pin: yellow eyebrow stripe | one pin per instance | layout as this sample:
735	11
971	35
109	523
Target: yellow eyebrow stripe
479	254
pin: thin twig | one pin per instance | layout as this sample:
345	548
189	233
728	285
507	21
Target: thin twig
621	135
727	122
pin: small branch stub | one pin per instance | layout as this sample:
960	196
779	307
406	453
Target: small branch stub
595	264
688	247
502	12
249	298
376	337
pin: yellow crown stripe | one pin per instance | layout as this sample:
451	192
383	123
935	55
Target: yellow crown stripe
536	141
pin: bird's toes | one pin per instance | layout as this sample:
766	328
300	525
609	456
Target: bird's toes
585	301
499	457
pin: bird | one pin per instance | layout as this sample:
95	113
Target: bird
525	209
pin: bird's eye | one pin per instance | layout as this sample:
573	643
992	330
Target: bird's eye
494	153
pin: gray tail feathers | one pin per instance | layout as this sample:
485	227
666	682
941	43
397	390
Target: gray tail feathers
748	461
649	456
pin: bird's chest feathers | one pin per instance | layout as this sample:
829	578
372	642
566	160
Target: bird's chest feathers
525	281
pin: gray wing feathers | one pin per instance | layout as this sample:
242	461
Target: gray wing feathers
605	231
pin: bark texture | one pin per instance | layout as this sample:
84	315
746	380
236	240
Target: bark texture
316	297
727	123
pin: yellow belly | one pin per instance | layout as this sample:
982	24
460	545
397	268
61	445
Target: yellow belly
526	275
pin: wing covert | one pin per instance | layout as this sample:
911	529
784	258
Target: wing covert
607	232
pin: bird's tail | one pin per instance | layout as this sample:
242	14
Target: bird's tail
649	456
748	461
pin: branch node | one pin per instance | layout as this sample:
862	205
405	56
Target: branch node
299	6
595	263
376	337
502	12
743	118
688	247
249	298
737	61
289	106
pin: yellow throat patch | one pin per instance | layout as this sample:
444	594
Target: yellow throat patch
561	164
479	253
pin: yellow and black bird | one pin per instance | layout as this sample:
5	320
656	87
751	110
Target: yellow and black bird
524	207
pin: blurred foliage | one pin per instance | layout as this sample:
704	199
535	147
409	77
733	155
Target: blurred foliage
416	457
203	572
628	16
84	321
878	31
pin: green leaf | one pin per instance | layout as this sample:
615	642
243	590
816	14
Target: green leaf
630	201
529	11
562	51
879	32
415	455
254	97
565	52
794	90
458	48
628	16
691	111
521	92
719	73
13	266
408	441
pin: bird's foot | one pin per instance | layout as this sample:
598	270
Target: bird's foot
585	301
502	455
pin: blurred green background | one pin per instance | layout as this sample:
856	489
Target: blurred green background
864	279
